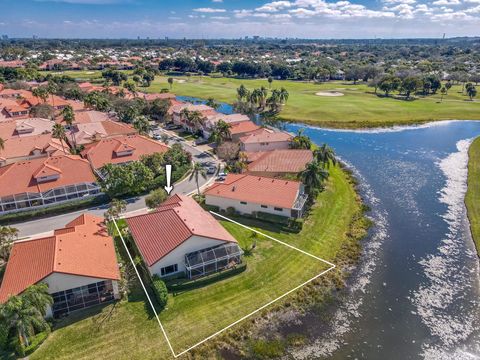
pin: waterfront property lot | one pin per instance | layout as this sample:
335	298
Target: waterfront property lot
129	329
472	198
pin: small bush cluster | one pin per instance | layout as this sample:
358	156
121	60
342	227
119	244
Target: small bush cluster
160	290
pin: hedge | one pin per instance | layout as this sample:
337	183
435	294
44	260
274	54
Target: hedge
35	342
160	291
3	338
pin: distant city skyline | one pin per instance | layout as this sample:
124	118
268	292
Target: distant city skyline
238	18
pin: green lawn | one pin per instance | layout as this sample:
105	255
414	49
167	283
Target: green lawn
359	107
127	330
472	198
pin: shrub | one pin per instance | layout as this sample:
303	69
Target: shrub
230	211
155	198
272	218
160	290
3	338
36	341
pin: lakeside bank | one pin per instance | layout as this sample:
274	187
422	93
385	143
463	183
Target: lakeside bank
472	198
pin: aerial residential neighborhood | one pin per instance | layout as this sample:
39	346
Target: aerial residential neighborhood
220	179
104	169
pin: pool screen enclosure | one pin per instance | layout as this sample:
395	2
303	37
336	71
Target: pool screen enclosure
213	259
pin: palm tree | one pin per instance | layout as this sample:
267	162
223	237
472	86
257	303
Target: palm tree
283	95
142	125
40	92
38	297
69	117
325	155
313	177
25	313
242	92
52	89
223	129
196	119
58	132
170	82
197	171
270	80
7	236
2	144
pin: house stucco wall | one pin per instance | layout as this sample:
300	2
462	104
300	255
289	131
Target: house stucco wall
252	147
249	208
177	256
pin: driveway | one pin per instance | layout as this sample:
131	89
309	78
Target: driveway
45	226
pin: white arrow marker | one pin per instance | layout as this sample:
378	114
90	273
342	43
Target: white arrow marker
168	171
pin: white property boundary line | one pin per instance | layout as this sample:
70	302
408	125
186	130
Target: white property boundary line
332	266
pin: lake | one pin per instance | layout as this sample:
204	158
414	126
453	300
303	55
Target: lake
415	294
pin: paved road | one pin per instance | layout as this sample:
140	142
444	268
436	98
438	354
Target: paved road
45	225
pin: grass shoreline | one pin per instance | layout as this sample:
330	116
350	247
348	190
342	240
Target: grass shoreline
472	197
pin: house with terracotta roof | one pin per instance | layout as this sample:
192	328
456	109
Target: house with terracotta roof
241	129
249	194
30	147
78	263
24	127
86	133
179	118
47	181
121	150
231	119
278	163
265	139
179	237
89	116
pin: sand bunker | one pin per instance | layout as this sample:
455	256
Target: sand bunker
329	93
180	81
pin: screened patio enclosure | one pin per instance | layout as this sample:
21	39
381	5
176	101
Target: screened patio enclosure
213	259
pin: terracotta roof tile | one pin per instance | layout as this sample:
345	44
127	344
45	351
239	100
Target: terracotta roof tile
104	151
288	161
243	127
175	221
266	135
85	249
257	189
19	177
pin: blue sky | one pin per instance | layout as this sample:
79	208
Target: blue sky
238	18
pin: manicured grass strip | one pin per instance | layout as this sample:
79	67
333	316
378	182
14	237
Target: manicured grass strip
472	198
128	330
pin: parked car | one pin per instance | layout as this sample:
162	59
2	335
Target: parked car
211	170
220	178
222	174
157	136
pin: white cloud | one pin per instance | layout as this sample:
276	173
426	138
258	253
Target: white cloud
209	10
474	10
400	1
274	6
217	1
220	17
447	2
243	13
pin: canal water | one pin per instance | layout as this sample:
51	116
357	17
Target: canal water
416	292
